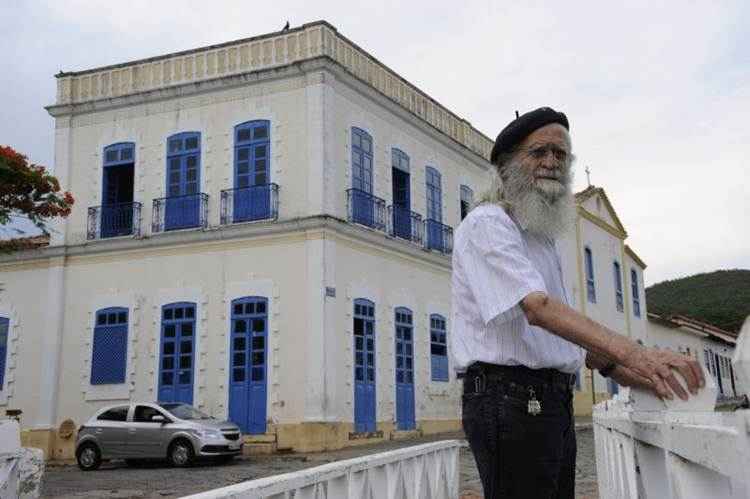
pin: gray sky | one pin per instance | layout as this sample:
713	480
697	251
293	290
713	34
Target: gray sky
658	97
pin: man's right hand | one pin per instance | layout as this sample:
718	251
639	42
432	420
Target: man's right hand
659	367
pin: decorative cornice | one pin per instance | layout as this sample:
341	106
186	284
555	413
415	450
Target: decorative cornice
318	39
629	251
374	239
620	234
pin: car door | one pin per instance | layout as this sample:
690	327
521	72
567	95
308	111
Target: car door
111	431
144	434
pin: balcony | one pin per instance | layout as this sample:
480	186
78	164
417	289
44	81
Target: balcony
250	204
180	212
405	224
365	209
114	220
438	236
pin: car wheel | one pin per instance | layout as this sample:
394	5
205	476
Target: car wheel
89	456
181	453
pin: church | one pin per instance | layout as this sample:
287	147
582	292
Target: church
263	229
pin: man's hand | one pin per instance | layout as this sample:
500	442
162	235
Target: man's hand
658	367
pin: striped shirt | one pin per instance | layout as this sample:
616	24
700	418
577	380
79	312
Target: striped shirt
495	265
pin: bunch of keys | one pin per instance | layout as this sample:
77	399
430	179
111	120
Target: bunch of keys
534	406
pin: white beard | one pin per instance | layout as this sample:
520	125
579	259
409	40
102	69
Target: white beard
544	207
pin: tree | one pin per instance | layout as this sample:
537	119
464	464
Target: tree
29	190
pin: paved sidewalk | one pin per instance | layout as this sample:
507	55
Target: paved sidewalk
117	481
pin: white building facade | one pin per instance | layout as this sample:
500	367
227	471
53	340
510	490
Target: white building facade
263	229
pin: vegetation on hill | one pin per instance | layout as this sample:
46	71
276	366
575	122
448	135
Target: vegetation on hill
720	298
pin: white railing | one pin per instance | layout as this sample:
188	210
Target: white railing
649	449
429	470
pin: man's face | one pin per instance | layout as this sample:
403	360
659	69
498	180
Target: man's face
545	156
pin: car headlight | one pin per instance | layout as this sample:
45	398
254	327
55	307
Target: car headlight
208	433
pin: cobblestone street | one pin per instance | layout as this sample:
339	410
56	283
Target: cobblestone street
117	481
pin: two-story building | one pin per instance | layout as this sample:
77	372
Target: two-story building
263	229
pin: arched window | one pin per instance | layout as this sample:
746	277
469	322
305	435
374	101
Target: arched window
618	286
434	194
438	348
183	164
467	200
117	212
589	263
110	346
361	160
178	337
634	289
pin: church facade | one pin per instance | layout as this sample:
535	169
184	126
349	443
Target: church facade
263	229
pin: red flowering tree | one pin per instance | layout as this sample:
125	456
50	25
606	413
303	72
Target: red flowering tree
28	189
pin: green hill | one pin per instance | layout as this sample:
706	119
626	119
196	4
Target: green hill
721	298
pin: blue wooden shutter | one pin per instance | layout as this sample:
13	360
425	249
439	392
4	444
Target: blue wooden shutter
109	352
364	366
252	171
405	419
4	327
438	348
636	298
618	286
590	287
183	205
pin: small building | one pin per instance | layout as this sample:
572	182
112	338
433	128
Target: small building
263	229
712	346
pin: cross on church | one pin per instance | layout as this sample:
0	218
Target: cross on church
588	175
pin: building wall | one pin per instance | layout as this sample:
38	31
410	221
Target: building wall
285	103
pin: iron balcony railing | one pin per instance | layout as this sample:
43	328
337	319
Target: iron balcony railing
365	209
405	224
180	212
114	220
438	236
250	204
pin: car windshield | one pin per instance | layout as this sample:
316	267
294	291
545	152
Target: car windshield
184	411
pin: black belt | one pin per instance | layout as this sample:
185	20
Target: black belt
545	376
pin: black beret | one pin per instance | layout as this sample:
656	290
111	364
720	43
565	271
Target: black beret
521	127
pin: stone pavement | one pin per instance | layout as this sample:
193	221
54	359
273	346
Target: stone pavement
118	481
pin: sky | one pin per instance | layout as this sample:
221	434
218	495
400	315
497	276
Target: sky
657	93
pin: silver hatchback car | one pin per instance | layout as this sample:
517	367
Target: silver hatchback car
175	431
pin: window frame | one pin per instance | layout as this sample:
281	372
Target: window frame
466	196
619	295
182	156
104	318
634	288
251	144
439	376
362	177
588	263
433	194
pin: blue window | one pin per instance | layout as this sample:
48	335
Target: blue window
361	160
612	387
634	289
183	205
438	348
404	369
364	365
248	364
434	194
177	350
467	200
618	286
109	354
589	262
252	171
434	221
4	326
402	215
117	190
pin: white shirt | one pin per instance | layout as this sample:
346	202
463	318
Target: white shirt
495	265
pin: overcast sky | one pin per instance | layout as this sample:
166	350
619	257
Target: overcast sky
658	96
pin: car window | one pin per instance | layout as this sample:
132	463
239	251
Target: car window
115	414
184	411
144	413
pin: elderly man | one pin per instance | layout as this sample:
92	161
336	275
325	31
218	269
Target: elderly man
515	340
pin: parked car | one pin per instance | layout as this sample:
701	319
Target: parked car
175	431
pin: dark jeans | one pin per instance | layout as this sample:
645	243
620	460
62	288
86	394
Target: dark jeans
519	454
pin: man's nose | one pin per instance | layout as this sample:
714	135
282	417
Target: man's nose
549	161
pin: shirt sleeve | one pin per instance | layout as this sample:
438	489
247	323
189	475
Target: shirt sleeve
497	270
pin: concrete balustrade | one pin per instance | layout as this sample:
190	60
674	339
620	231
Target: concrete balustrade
647	448
429	470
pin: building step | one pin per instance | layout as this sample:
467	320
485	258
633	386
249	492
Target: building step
263	438
256	448
405	434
